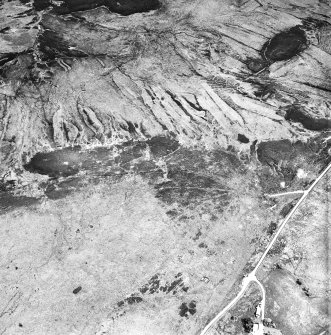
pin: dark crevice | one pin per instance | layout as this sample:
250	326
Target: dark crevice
4	30
317	87
179	104
196	107
131	127
7	57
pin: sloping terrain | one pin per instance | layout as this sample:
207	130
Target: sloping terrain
138	141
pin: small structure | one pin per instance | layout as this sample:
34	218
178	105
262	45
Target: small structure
271	331
205	279
258	311
257	329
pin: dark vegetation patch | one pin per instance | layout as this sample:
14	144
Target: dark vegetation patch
132	299
185	218
306	291
123	7
264	90
63	162
153	286
269	180
242	138
57	190
189	159
256	65
278	247
226	164
220	163
313	23
304	288
271	228
7	185
272	152
161	145
284	45
188	189
183	178
120	303
282	159
129	151
147	167
69	161
197	235
186	309
172	213
299	282
77	290
298	114
254	240
9	201
195	180
41	4
16	67
54	192
99	162
52	45
286	209
247	324
156	285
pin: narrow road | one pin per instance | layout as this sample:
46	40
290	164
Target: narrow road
251	277
263	298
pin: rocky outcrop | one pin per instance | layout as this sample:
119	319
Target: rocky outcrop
90	74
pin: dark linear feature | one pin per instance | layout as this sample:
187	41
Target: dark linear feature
123	7
296	114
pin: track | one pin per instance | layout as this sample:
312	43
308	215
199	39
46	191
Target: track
251	277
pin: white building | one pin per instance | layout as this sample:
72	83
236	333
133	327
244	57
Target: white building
257	329
258	311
